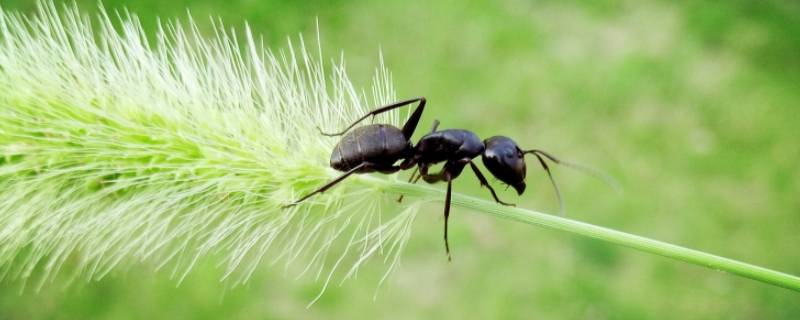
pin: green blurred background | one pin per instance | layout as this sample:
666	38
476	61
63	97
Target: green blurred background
692	105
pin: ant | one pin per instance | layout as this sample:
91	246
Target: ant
378	147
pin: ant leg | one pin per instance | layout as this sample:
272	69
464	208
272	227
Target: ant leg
412	179
446	175
413	175
450	170
485	183
328	185
411	124
433	178
435	125
414	119
417	179
430	178
333	182
446	216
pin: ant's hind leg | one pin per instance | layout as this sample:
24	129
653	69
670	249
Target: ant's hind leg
333	182
411	124
485	183
327	185
413	120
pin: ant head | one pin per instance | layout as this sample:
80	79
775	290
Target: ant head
506	161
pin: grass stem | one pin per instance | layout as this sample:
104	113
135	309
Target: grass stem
640	243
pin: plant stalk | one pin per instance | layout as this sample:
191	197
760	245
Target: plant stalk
640	243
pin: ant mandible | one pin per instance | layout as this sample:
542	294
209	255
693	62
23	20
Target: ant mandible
378	147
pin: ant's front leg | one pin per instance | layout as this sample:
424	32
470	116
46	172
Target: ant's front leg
485	183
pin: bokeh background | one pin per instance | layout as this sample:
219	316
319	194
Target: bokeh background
694	106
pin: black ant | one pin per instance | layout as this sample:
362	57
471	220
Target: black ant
377	147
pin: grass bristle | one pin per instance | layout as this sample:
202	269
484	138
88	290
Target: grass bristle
116	150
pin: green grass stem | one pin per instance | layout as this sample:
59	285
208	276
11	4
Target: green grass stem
640	243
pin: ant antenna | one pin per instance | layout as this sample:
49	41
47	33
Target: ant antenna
597	174
539	154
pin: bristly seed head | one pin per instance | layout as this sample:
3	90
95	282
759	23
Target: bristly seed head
115	149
